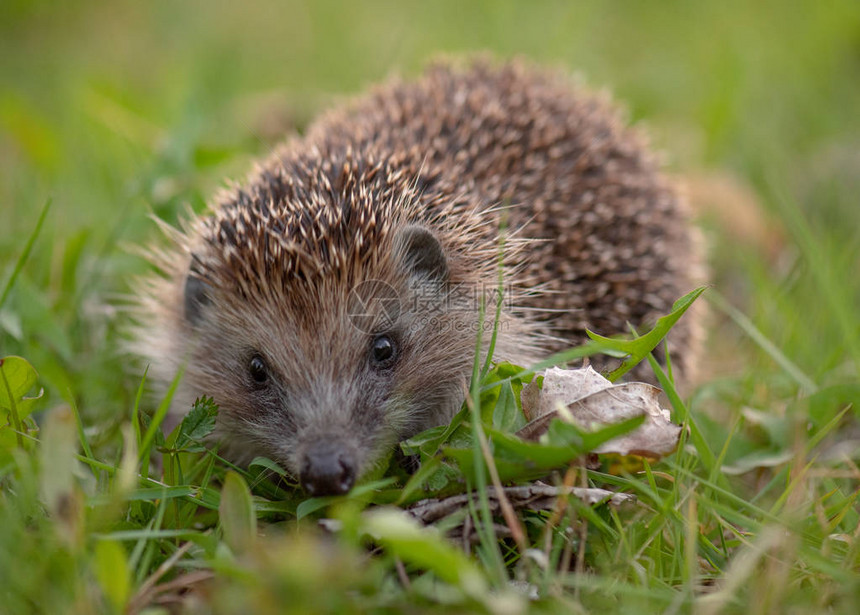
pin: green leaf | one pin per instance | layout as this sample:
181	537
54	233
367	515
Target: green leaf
561	432
236	511
639	348
403	537
8	443
424	441
267	464
153	427
20	376
507	415
148	494
196	425
419	479
500	404
427	443
17	377
311	505
158	438
358	493
112	573
518	459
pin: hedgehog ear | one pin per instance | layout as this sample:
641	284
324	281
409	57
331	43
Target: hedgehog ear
422	254
196	298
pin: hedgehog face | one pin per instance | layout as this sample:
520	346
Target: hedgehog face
326	379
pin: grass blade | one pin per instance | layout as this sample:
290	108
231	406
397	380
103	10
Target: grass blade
26	253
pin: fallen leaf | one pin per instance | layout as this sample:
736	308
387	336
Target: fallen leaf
588	399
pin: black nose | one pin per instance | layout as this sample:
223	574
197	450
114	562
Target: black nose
327	470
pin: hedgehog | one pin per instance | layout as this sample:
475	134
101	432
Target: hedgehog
331	304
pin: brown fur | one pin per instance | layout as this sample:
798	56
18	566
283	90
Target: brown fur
596	238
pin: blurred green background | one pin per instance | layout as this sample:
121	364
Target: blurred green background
116	110
119	110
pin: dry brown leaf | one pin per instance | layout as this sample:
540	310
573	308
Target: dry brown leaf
585	397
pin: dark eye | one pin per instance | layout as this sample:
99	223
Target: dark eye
383	351
257	369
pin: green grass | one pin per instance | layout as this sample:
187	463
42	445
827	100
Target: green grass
112	112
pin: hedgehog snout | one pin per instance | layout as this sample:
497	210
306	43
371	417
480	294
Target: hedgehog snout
327	468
